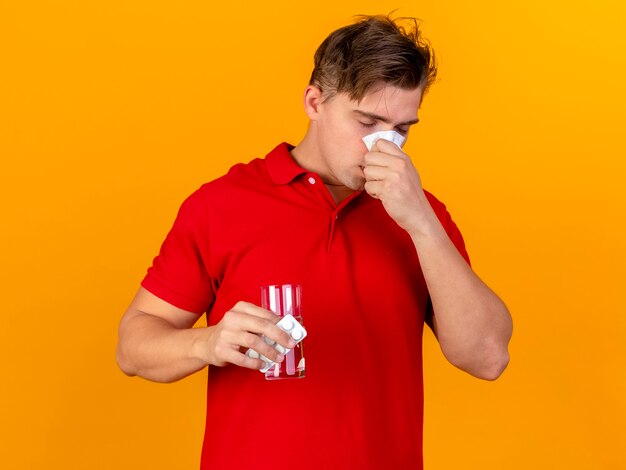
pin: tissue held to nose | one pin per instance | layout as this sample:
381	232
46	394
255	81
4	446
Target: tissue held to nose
392	136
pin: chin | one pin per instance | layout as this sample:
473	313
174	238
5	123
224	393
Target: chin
355	183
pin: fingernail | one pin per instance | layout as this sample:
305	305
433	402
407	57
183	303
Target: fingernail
291	344
280	358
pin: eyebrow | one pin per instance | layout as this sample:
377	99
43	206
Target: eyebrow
383	118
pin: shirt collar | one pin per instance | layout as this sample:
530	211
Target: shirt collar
281	166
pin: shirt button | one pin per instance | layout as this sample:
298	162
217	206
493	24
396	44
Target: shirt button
312	180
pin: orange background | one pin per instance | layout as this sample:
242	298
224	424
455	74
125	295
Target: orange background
111	113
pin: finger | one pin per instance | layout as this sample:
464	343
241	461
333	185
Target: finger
373	188
239	359
237	324
255	310
268	348
375	158
375	173
262	345
386	146
281	337
382	159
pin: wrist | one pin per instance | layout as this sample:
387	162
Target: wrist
427	234
200	345
425	225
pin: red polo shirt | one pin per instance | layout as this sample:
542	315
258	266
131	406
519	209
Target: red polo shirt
363	298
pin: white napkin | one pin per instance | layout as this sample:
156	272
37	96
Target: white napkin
392	136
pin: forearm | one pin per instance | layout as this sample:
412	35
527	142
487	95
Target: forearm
472	324
152	348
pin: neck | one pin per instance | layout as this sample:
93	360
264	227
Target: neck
339	192
308	155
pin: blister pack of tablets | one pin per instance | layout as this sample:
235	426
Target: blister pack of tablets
289	325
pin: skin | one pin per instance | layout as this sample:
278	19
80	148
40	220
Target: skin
333	147
472	325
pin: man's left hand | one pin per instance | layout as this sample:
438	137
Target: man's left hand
391	177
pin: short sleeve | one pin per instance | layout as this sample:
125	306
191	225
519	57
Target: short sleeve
449	226
179	274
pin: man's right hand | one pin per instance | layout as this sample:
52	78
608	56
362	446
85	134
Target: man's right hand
240	329
157	340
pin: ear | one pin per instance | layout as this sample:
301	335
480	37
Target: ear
312	101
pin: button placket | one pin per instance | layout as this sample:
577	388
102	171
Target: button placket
334	220
314	183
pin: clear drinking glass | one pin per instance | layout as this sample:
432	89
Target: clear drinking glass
285	299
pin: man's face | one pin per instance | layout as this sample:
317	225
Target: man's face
342	123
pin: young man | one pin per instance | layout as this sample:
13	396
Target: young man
376	256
